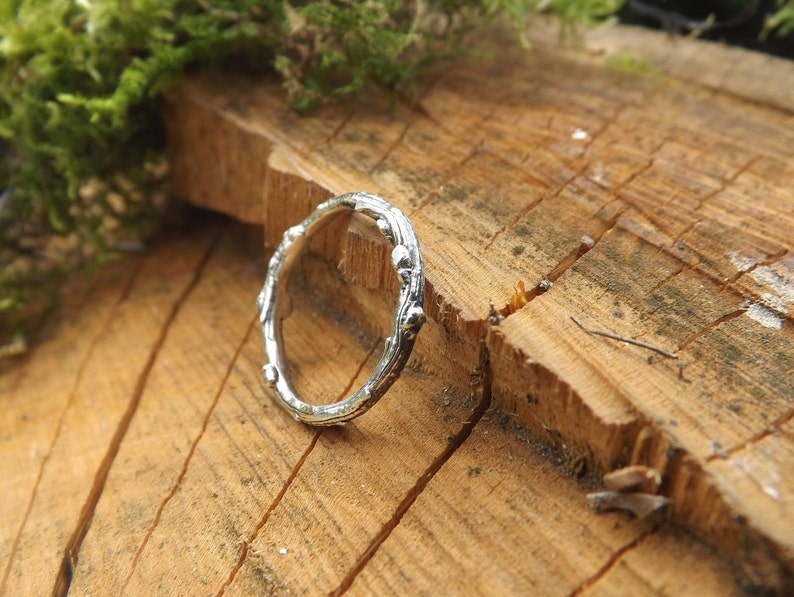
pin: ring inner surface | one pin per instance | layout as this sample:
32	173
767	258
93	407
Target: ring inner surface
338	307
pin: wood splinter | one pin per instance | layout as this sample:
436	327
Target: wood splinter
634	341
633	477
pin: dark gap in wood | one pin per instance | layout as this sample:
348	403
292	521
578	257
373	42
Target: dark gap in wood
719	321
483	371
274	504
533	204
768	261
63	578
393	146
189	457
613	561
447	177
293	475
75	384
342	124
668	278
564	265
775	426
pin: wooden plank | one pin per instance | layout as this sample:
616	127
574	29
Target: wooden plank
36	396
214	488
496	532
648	202
91	408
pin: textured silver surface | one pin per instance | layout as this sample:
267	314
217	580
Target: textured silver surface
408	315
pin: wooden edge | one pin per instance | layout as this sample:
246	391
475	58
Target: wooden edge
286	169
744	73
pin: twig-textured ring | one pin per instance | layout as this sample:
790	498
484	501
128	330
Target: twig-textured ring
408	315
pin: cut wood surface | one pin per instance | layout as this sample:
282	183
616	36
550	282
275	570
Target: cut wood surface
142	453
184	477
555	185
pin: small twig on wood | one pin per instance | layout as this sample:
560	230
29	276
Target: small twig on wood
634	341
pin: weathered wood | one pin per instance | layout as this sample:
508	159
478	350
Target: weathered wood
214	489
145	456
659	209
88	394
750	75
497	533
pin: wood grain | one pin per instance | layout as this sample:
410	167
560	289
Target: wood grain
657	208
144	455
548	543
214	489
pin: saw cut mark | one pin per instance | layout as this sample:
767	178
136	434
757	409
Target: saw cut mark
186	463
65	574
484	372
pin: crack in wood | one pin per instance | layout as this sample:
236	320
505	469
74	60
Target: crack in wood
61	419
669	278
455	169
419	107
621	107
65	572
273	505
292	476
725	183
764	263
580	171
393	147
687	229
707	328
775	426
613	561
533	204
483	373
339	128
186	463
564	264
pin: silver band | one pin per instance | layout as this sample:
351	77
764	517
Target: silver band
408	316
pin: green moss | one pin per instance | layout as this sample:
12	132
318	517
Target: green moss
628	62
782	20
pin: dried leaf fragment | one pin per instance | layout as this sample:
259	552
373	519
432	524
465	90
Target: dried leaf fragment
639	504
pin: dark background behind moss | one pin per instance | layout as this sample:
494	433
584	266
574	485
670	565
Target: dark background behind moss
749	34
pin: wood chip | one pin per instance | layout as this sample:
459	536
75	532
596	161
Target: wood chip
630	478
639	504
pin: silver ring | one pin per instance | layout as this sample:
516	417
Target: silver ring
408	315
